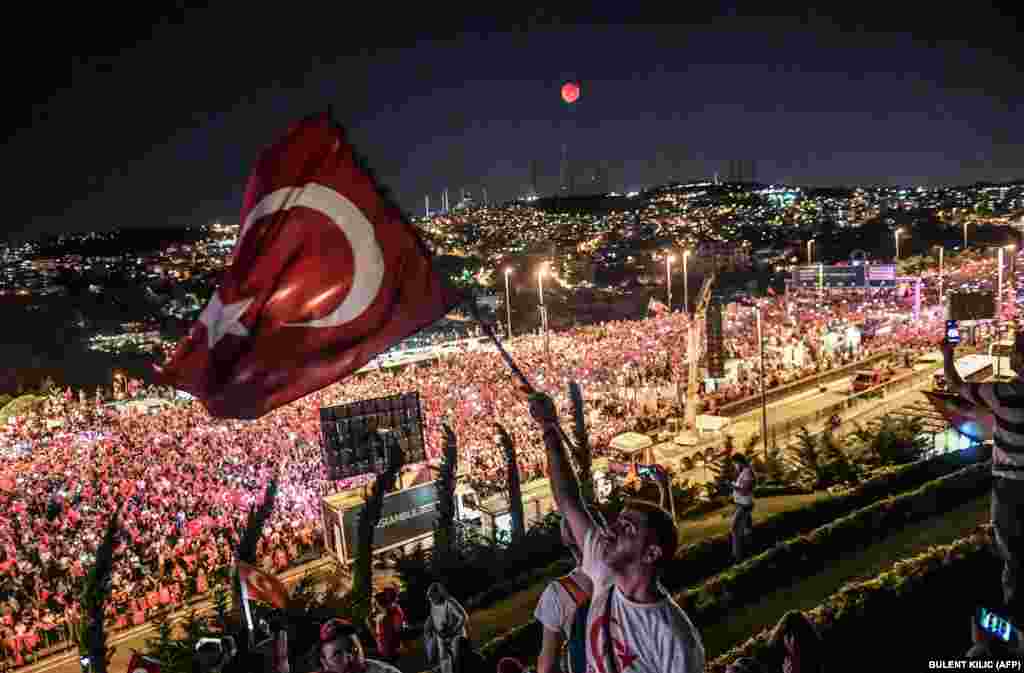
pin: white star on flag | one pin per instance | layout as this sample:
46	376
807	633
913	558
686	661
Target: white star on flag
221	319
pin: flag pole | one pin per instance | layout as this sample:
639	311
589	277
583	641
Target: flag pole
501	349
474	311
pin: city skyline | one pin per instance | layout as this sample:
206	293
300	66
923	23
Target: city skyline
165	132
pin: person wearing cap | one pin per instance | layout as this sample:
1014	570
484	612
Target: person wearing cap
1005	400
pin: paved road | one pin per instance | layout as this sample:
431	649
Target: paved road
788	409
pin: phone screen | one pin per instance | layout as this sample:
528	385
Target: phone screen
952	331
996	625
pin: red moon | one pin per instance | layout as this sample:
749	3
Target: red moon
570	92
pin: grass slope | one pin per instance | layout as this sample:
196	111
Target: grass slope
808	592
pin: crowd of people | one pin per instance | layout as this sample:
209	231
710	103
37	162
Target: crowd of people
183	482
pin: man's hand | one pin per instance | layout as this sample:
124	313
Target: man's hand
542	408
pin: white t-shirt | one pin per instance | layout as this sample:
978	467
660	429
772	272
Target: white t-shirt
556	608
646	637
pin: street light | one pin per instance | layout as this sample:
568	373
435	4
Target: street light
508	301
810	257
668	277
965	234
898	232
686	285
940	272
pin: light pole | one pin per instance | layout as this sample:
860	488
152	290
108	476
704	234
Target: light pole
686	285
810	257
965	234
764	398
508	301
940	272
898	232
668	278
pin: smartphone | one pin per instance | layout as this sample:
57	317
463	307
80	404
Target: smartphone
1000	627
953	331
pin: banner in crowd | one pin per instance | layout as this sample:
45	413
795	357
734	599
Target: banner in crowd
842	276
405	515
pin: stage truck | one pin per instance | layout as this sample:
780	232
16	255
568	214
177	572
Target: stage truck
408	517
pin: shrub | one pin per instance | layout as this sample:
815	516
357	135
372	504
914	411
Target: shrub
894	442
699	560
865	610
722	470
805	554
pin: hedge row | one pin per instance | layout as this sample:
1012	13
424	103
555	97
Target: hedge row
807	554
696	562
940	581
716	503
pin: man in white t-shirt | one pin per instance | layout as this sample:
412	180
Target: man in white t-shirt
633	625
557	607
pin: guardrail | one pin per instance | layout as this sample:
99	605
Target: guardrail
780	392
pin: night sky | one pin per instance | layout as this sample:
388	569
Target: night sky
160	126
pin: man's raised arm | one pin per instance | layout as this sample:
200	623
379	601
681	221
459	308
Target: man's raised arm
564	486
949	366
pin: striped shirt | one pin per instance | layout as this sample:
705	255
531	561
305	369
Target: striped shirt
1006	400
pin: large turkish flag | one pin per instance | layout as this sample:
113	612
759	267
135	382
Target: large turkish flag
326	273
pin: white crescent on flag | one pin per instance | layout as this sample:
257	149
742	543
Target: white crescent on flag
364	290
367	257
